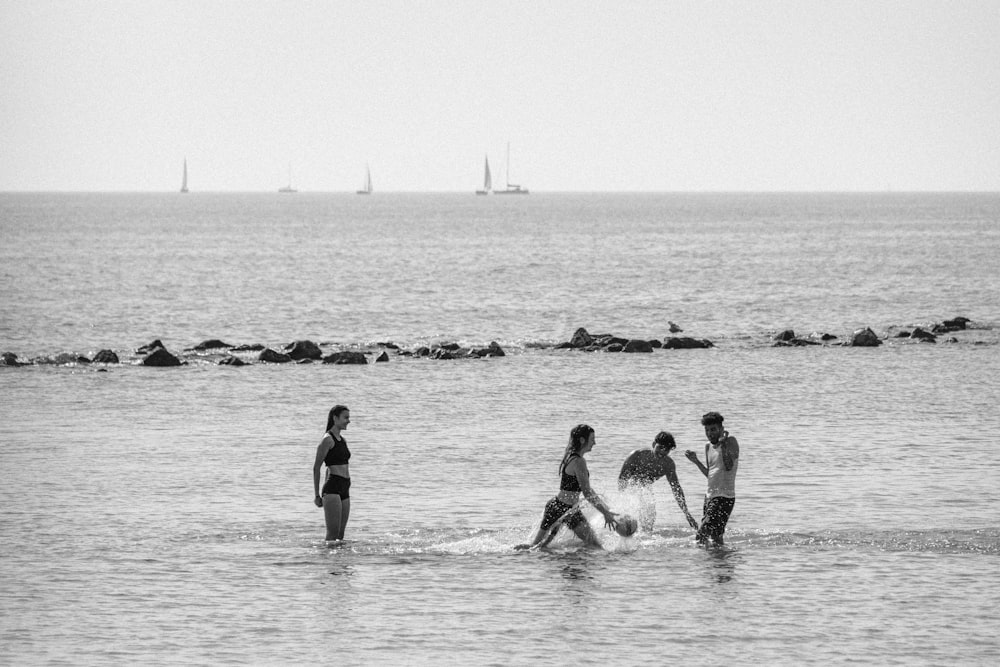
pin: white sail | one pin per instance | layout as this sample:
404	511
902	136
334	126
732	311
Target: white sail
367	187
184	181
487	179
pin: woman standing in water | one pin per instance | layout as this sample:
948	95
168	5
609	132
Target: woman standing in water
574	479
336	496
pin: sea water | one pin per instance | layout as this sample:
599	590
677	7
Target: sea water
165	514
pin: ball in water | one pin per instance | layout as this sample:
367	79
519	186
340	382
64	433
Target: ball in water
627	526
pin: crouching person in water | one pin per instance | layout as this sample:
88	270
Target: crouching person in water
722	460
336	496
564	508
645	466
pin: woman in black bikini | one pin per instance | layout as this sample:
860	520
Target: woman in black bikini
336	496
574	479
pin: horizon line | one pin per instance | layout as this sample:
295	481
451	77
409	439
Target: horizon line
533	191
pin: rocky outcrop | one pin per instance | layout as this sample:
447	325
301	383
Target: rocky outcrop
106	357
382	358
254	347
303	349
160	357
493	350
346	357
145	349
607	341
865	338
636	345
447	354
63	359
796	342
684	343
787	338
581	338
10	359
923	336
271	357
211	344
232	361
956	324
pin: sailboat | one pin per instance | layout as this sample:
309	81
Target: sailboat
366	189
512	188
288	188
487	180
184	181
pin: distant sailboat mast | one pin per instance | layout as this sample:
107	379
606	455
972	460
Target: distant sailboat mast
508	165
288	188
512	188
184	181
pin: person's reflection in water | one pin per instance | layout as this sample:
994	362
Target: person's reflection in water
576	573
722	564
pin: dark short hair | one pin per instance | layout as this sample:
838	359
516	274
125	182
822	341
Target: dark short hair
712	418
664	438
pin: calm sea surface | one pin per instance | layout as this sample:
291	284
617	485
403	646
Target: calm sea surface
165	515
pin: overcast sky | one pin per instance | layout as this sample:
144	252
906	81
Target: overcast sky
592	96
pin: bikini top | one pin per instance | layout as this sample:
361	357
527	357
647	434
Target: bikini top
339	454
569	482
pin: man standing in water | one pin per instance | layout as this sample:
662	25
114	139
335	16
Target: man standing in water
645	466
722	456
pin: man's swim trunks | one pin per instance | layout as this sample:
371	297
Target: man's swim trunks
717	511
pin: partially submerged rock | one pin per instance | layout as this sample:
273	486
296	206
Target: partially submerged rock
152	346
303	349
637	345
271	357
160	357
493	350
106	357
581	338
923	336
346	357
685	343
211	344
254	347
865	338
10	359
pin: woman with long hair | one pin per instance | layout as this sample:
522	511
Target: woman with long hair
574	480
336	496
